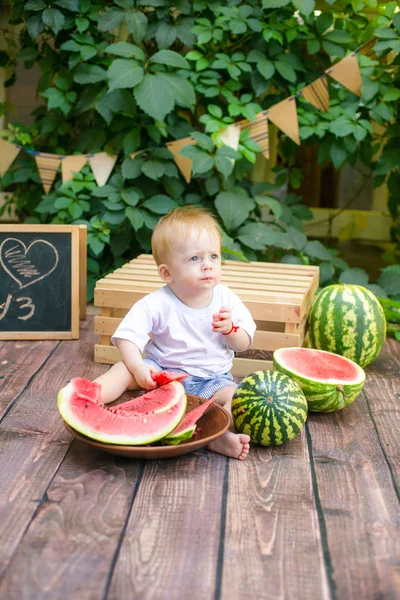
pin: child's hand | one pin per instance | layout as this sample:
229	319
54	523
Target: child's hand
222	321
142	375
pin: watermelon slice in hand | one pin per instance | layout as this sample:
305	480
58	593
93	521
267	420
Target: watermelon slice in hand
163	377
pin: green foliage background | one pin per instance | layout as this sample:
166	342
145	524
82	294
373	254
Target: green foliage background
132	75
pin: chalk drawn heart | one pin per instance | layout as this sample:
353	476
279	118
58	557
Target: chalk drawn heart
27	265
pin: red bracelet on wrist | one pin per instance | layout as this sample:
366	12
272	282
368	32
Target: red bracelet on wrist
233	329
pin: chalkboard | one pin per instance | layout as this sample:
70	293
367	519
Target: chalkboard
41	276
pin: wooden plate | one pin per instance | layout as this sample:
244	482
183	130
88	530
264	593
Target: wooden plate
211	425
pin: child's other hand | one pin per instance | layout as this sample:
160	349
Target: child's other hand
222	321
143	377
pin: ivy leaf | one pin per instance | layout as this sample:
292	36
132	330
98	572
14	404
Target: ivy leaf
369	89
137	25
326	272
72	5
233	209
285	70
54	19
89	74
135	217
256	235
304	6
165	35
170	58
225	160
275	3
126	50
35	5
265	67
298	237
35	26
316	250
110	19
390	280
130	196
160	204
154	96
181	89
274	204
201	161
154	169
132	168
354	277
124	73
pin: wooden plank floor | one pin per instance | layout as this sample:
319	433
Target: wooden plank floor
317	518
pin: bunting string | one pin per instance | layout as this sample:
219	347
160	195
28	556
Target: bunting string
283	115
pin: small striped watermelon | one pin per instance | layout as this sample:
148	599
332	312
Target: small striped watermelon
347	320
269	407
329	381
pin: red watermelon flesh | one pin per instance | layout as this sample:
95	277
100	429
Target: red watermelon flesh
319	365
187	426
163	377
155	401
81	410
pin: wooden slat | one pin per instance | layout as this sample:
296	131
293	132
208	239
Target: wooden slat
140	271
239	282
271	497
19	363
34	441
261	310
241	366
172	540
69	548
263	340
359	505
286	295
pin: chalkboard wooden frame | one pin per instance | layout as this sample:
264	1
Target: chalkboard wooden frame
77	280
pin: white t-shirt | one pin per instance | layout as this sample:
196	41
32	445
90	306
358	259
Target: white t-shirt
182	337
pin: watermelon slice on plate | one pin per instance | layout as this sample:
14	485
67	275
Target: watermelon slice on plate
81	408
186	428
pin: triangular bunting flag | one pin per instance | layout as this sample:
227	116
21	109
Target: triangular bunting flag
347	72
230	136
8	153
184	164
72	164
47	165
317	93
284	115
102	164
258	131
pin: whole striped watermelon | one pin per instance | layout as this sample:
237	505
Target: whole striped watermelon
269	407
347	320
329	381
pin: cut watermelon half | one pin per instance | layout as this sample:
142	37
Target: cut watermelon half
187	426
80	406
329	381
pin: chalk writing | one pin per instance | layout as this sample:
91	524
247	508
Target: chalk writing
23	263
25	301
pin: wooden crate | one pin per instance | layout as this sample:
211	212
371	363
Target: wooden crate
279	297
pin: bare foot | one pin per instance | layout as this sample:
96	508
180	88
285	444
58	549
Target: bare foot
235	445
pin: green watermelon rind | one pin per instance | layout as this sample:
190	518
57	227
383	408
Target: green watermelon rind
65	406
183	436
347	320
269	422
322	396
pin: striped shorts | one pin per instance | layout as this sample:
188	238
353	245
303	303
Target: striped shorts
205	387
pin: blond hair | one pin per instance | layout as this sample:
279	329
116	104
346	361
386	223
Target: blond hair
176	225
